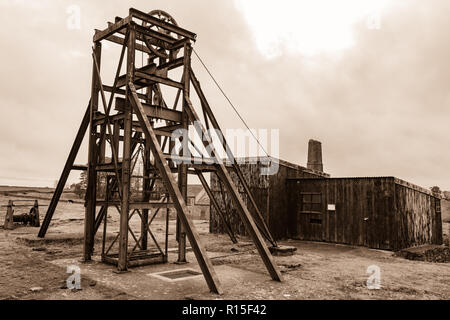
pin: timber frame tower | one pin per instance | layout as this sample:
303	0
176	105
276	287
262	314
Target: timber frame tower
133	119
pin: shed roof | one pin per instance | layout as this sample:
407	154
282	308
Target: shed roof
194	190
395	180
266	160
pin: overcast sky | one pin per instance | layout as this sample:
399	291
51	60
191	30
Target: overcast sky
370	81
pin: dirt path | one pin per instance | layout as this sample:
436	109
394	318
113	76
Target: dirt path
317	271
22	269
327	271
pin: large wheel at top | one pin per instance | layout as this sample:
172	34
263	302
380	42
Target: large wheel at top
163	16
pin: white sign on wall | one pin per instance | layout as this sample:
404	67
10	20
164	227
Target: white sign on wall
331	207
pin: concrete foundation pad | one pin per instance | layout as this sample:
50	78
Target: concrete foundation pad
283	251
142	283
64	238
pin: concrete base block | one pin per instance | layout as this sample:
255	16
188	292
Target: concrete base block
283	251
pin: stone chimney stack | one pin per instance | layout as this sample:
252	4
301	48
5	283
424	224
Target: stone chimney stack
315	155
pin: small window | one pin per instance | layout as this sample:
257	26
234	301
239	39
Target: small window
311	202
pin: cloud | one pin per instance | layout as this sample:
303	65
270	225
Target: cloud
380	107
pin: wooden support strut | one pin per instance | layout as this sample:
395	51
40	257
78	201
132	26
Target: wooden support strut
9	218
65	174
162	24
207	109
182	168
216	205
126	164
91	190
182	210
242	209
103	210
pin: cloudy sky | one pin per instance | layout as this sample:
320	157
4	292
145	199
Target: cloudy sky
370	79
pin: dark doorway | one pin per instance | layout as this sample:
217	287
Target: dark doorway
310	216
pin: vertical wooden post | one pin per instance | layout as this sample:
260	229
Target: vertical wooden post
116	141
147	185
166	244
105	217
102	151
126	164
9	219
182	168
91	192
37	220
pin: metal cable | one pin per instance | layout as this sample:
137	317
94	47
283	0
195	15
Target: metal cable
229	101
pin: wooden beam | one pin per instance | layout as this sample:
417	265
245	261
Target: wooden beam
79	167
116	137
169	129
190	161
154	34
207	109
91	190
143	38
9	218
112	29
173	64
106	167
203	168
121	41
179	44
66	171
182	167
175	194
153	111
126	165
136	205
234	193
121	91
216	205
100	120
162	24
157	72
162	80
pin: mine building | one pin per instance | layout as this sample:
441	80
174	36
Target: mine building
307	204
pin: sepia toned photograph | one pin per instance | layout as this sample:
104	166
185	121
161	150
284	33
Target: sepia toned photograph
232	151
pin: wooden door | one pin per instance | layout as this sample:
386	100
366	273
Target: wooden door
310	217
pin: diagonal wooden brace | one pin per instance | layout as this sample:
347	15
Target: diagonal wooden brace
171	185
245	214
65	174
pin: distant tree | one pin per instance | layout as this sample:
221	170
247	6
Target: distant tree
101	184
80	188
436	190
79	191
83	180
447	195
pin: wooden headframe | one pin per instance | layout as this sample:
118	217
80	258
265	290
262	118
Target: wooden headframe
136	118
